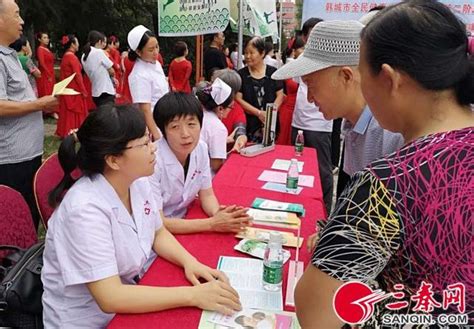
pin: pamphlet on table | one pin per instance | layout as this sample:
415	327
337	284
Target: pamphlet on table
261	234
267	204
284	165
280	177
245	275
256	248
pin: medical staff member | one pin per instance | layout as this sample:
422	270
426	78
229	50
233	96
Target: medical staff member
182	170
108	225
147	81
216	100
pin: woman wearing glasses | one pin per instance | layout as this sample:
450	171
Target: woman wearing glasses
107	227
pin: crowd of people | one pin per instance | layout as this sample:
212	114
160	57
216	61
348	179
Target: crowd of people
398	85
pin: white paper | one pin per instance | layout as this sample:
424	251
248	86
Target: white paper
277	187
245	276
268	215
280	177
284	165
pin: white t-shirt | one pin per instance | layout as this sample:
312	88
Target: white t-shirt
214	134
306	115
147	82
96	66
91	236
172	192
272	62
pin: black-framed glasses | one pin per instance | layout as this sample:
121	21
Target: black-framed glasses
147	143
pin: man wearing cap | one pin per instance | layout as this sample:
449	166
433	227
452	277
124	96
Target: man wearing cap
316	129
21	118
329	67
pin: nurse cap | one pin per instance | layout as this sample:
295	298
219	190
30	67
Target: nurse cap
135	36
220	91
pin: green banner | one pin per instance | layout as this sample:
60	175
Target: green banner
192	17
260	18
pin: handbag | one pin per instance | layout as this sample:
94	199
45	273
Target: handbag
21	288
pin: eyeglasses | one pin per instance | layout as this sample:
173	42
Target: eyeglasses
147	143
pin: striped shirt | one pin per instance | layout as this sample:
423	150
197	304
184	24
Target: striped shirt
366	141
21	137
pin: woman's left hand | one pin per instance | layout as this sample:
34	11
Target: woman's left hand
196	270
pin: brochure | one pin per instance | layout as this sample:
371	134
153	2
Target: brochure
256	248
284	165
245	276
60	87
280	177
281	217
267	204
247	318
277	187
261	234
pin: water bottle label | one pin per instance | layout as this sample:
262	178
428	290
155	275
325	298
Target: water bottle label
272	275
292	182
299	147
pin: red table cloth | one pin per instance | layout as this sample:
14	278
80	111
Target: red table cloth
208	247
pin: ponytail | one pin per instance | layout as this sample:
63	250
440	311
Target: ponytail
68	159
92	39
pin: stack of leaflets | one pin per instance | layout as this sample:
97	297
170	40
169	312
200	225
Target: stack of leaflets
266	204
274	218
261	234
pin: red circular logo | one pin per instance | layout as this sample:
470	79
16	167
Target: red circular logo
353	302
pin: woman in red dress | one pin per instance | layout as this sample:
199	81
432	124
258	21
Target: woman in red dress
45	58
285	113
180	69
127	66
113	45
73	108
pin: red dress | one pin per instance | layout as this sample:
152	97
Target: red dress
285	113
45	83
178	75
126	95
73	108
117	60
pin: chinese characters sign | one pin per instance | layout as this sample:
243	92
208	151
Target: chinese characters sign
355	9
192	17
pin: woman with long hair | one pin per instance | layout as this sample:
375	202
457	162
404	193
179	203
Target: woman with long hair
45	57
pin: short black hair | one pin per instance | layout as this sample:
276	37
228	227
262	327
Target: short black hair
425	40
268	47
176	105
309	24
180	48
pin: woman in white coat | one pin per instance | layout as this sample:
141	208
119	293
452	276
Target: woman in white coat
147	81
183	170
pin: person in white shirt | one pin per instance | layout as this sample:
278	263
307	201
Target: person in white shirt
269	53
99	69
183	170
147	81
105	229
216	100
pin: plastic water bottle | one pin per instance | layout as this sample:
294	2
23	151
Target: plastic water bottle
273	263
292	177
299	143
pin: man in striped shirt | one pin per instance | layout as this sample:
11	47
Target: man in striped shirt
21	120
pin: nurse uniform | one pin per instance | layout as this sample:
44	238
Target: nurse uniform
92	236
173	193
